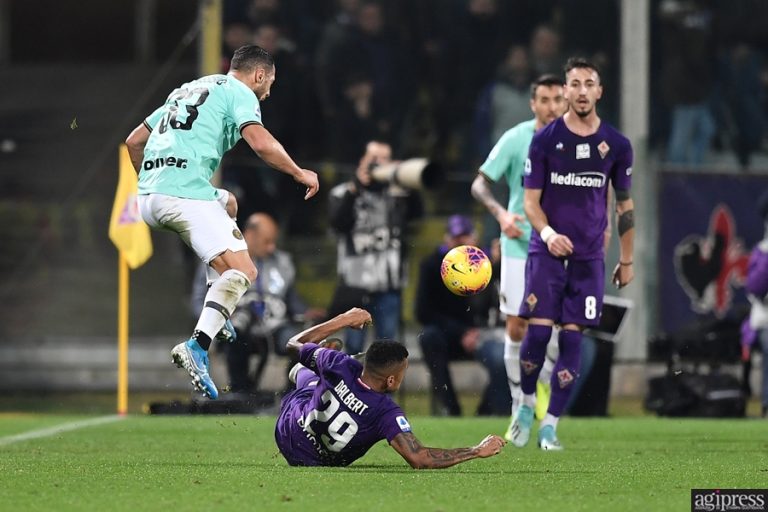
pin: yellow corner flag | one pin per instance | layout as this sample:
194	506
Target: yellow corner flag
126	229
131	236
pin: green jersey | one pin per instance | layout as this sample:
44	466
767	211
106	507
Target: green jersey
199	122
507	160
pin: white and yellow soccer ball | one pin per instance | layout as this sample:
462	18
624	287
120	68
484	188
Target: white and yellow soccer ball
466	270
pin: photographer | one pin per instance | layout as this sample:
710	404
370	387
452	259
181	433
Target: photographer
370	217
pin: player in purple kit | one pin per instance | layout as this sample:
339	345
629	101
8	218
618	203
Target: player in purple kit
570	163
341	407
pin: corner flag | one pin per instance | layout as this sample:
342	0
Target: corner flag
126	229
131	236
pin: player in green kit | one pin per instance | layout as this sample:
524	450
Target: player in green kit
176	151
507	160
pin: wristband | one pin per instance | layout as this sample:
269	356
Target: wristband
625	264
547	233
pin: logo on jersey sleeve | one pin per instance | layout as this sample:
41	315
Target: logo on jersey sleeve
257	110
582	151
629	171
527	169
403	424
603	148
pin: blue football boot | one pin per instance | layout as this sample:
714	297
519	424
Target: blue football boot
548	439
520	430
190	356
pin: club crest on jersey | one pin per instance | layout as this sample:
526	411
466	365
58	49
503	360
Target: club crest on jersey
629	171
237	234
403	424
531	300
559	146
528	366
582	151
564	377
603	148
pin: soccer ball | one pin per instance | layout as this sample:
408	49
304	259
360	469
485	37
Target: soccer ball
466	270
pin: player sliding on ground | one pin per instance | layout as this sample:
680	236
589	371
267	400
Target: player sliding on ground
342	407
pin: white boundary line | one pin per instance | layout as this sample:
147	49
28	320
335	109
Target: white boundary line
58	429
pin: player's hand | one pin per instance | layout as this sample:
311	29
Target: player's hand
491	445
358	318
309	178
559	245
509	224
623	275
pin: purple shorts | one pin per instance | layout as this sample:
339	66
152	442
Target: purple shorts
562	290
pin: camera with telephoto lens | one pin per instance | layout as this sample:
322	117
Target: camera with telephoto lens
414	173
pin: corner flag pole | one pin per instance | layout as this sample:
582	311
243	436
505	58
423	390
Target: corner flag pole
122	335
131	236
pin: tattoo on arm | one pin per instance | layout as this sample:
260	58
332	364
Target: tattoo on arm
436	457
448	457
626	221
481	190
412	443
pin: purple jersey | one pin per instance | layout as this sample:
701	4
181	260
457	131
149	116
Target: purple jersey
757	272
336	421
572	173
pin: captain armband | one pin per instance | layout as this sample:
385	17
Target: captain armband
626	221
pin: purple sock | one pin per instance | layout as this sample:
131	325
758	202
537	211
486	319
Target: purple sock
532	354
566	370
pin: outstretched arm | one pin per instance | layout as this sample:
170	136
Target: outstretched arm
481	190
273	153
422	457
355	318
135	144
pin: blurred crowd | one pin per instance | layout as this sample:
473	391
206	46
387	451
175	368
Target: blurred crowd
713	79
434	78
444	78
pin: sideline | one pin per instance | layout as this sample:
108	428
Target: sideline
59	429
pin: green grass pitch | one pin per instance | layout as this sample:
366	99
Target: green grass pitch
211	463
